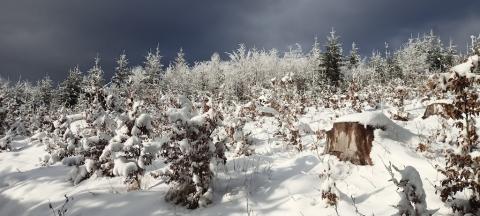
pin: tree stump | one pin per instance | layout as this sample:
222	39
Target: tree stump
350	141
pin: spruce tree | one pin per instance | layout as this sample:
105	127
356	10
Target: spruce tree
153	67
476	49
434	49
122	71
70	89
354	58
315	73
449	56
94	79
332	60
45	92
94	84
379	66
393	68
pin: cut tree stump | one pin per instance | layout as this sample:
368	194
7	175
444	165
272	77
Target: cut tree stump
350	141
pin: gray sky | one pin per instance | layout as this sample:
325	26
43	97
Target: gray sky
40	37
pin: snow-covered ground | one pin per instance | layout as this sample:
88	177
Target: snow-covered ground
275	180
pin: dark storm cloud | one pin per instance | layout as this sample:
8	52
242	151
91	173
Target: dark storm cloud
50	36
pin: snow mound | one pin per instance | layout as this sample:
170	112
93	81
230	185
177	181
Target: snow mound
123	167
441	101
38	136
374	119
264	110
144	120
466	67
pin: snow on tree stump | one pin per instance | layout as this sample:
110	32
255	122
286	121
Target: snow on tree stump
445	110
351	136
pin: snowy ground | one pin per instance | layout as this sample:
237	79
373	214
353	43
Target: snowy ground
276	180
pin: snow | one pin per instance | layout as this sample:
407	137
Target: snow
89	165
77	174
442	101
131	141
123	167
184	146
374	119
73	161
466	67
144	120
273	181
38	136
267	110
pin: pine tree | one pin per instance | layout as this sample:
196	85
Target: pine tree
332	60
122	71
412	60
379	65
315	75
45	92
70	89
217	75
476	48
190	152
3	106
179	77
449	56
127	149
393	68
93	83
354	57
94	79
434	49
153	67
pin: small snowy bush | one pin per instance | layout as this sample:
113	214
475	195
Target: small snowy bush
412	197
236	136
126	154
190	152
460	187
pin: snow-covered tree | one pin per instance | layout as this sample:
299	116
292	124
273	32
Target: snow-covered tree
237	77
314	72
95	137
412	60
393	69
435	52
332	60
450	55
460	187
128	149
379	66
153	67
354	57
71	88
476	48
3	106
122	71
94	79
178	75
412	196
45	92
217	75
189	153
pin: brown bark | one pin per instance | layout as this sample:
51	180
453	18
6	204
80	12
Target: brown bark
350	141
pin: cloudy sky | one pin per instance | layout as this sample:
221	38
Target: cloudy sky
47	37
